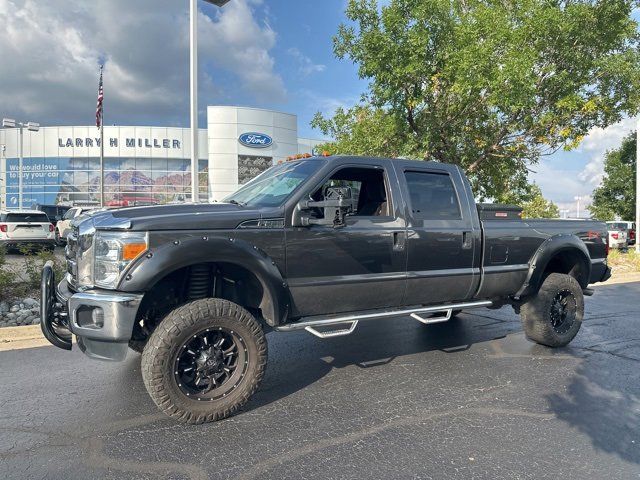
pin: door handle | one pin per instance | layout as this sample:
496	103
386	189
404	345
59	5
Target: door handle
399	241
467	240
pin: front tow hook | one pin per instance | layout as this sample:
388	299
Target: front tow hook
53	315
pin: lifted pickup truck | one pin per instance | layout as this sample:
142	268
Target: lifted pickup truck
319	244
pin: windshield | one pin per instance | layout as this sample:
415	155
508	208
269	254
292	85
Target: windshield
617	226
272	187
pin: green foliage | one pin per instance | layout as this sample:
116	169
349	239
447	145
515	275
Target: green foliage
539	207
624	262
6	277
488	85
616	195
23	278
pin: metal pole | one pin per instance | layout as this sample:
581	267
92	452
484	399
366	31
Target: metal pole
20	146
637	184
102	159
193	60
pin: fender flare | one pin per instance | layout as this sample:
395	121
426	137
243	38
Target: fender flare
551	247
169	257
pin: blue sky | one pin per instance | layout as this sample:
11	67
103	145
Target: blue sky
314	79
265	53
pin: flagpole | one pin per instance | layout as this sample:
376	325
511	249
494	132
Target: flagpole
102	162
101	140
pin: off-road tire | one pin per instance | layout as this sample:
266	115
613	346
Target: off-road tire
536	313
177	327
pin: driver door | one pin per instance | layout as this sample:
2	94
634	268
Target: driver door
360	266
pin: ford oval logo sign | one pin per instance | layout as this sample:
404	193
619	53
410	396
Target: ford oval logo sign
255	140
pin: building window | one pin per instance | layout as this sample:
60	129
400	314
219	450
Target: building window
250	166
127	181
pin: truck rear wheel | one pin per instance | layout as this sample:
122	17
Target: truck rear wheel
554	316
204	360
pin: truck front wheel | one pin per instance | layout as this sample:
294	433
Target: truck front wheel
554	316
204	360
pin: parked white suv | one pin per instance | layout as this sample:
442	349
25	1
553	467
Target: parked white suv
26	228
63	227
617	237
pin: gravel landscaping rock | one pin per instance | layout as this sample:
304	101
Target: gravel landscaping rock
20	311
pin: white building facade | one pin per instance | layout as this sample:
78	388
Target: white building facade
146	165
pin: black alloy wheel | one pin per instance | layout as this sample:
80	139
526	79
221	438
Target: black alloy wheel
563	311
211	364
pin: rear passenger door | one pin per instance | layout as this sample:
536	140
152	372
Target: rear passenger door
441	241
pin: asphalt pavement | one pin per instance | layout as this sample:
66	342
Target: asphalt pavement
397	399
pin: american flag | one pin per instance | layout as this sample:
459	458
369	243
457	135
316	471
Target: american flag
100	98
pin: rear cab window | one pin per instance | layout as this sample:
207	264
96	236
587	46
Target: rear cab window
26	218
432	196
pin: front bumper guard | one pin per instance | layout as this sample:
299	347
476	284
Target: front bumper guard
102	321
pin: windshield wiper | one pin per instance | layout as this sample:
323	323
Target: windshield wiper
235	202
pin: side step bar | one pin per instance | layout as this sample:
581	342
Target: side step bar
311	323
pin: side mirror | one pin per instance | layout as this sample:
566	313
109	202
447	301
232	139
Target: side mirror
337	204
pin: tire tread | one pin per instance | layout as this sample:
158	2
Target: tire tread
157	353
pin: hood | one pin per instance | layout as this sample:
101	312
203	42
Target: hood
184	216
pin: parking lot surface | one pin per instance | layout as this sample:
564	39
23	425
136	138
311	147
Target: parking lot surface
397	399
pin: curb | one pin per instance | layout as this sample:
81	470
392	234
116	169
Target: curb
26	336
620	278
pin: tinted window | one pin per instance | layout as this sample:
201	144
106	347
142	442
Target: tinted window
432	196
70	213
27	217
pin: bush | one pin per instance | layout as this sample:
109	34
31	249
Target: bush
622	262
24	280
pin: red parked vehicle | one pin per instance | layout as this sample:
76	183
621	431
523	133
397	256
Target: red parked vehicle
131	200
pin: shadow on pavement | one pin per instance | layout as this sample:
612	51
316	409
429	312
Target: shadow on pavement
595	405
297	360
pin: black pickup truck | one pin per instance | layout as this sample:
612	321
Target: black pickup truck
318	244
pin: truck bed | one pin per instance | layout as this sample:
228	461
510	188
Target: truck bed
508	243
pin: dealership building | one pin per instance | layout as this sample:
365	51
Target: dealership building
146	164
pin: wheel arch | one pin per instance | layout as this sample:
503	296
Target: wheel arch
558	254
168	260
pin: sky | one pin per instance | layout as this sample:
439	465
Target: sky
263	53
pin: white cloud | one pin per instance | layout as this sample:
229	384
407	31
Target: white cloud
50	53
238	43
305	66
562	184
597	143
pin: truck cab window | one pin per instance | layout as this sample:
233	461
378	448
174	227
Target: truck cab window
432	196
368	190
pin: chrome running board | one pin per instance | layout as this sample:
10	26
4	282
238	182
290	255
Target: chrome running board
310	324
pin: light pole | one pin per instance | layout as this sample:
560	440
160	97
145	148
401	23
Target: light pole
577	199
32	127
193	62
637	183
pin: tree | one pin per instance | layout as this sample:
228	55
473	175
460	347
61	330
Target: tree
616	195
539	207
490	85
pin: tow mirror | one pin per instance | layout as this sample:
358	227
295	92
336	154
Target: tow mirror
337	204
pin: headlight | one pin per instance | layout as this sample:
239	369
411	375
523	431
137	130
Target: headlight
113	251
